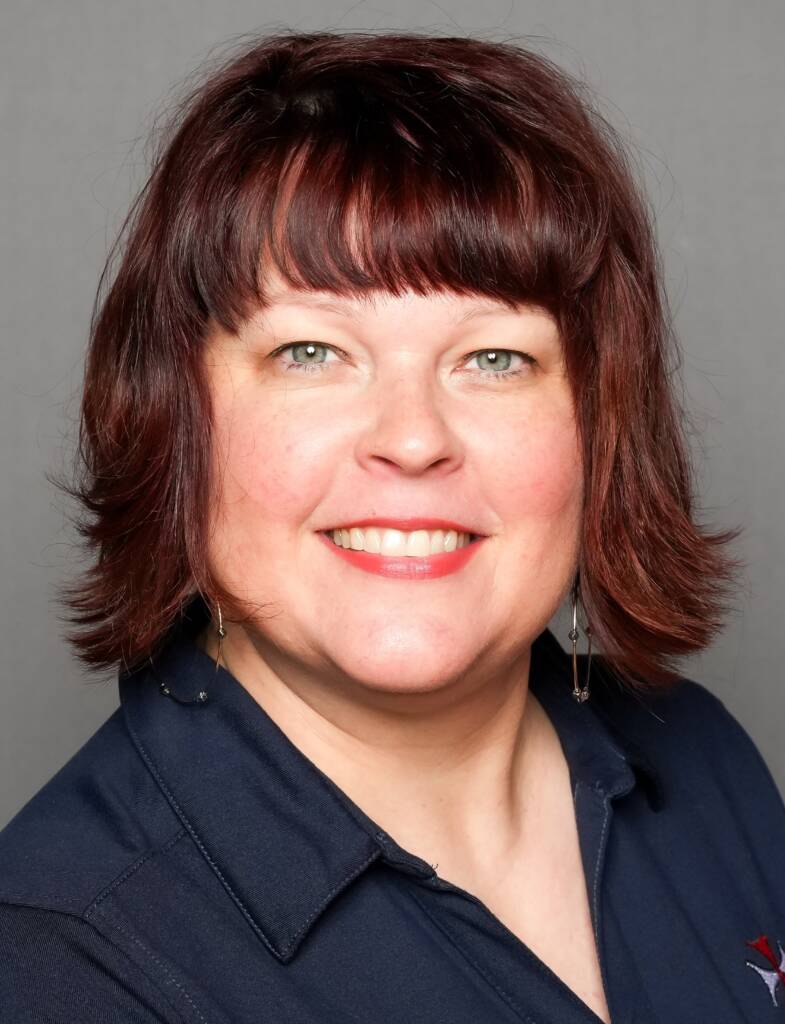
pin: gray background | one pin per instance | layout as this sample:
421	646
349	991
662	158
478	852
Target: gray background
697	88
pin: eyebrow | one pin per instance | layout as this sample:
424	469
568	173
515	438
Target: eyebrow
344	308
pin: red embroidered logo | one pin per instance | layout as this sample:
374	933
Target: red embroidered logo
771	978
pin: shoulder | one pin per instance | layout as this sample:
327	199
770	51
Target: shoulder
59	968
706	759
97	816
84	831
687	720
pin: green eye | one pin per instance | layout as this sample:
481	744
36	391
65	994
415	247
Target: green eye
499	360
310	352
310	357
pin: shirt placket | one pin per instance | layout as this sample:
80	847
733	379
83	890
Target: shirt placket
533	992
594	810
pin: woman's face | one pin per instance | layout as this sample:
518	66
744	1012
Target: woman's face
400	410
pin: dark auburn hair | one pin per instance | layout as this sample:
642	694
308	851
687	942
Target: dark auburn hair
357	161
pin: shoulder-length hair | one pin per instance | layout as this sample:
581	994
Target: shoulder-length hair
355	161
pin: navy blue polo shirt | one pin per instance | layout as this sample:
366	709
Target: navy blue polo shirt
190	864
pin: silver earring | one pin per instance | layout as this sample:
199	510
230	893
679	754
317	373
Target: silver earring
221	635
579	693
201	697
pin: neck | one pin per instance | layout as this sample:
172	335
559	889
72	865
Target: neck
456	775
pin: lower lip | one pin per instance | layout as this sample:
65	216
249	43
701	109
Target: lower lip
430	567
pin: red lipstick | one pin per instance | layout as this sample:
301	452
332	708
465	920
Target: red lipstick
429	567
407	525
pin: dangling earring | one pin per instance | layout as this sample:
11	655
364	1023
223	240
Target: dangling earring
202	696
579	693
221	635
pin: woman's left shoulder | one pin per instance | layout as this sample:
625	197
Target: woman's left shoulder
719	830
700	749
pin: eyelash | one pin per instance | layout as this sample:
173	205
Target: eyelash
487	374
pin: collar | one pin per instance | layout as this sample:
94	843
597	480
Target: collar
599	752
281	837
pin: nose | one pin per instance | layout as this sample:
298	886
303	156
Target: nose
408	426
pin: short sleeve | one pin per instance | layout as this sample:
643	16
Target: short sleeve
56	968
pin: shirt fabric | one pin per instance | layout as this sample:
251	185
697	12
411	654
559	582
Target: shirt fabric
190	864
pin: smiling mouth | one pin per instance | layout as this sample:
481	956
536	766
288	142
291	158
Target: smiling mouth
392	543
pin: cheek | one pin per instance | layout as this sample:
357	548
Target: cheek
540	474
269	468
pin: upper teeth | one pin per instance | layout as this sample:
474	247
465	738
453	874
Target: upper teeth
416	544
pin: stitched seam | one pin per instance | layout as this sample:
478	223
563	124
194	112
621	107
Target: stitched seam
494	985
125	875
352	874
180	813
596	885
285	949
111	941
167	972
345	808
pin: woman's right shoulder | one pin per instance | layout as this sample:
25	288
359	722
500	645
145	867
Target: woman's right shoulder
58	967
93	819
100	815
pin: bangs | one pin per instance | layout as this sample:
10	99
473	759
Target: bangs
349	193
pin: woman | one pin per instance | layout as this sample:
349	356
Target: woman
381	382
